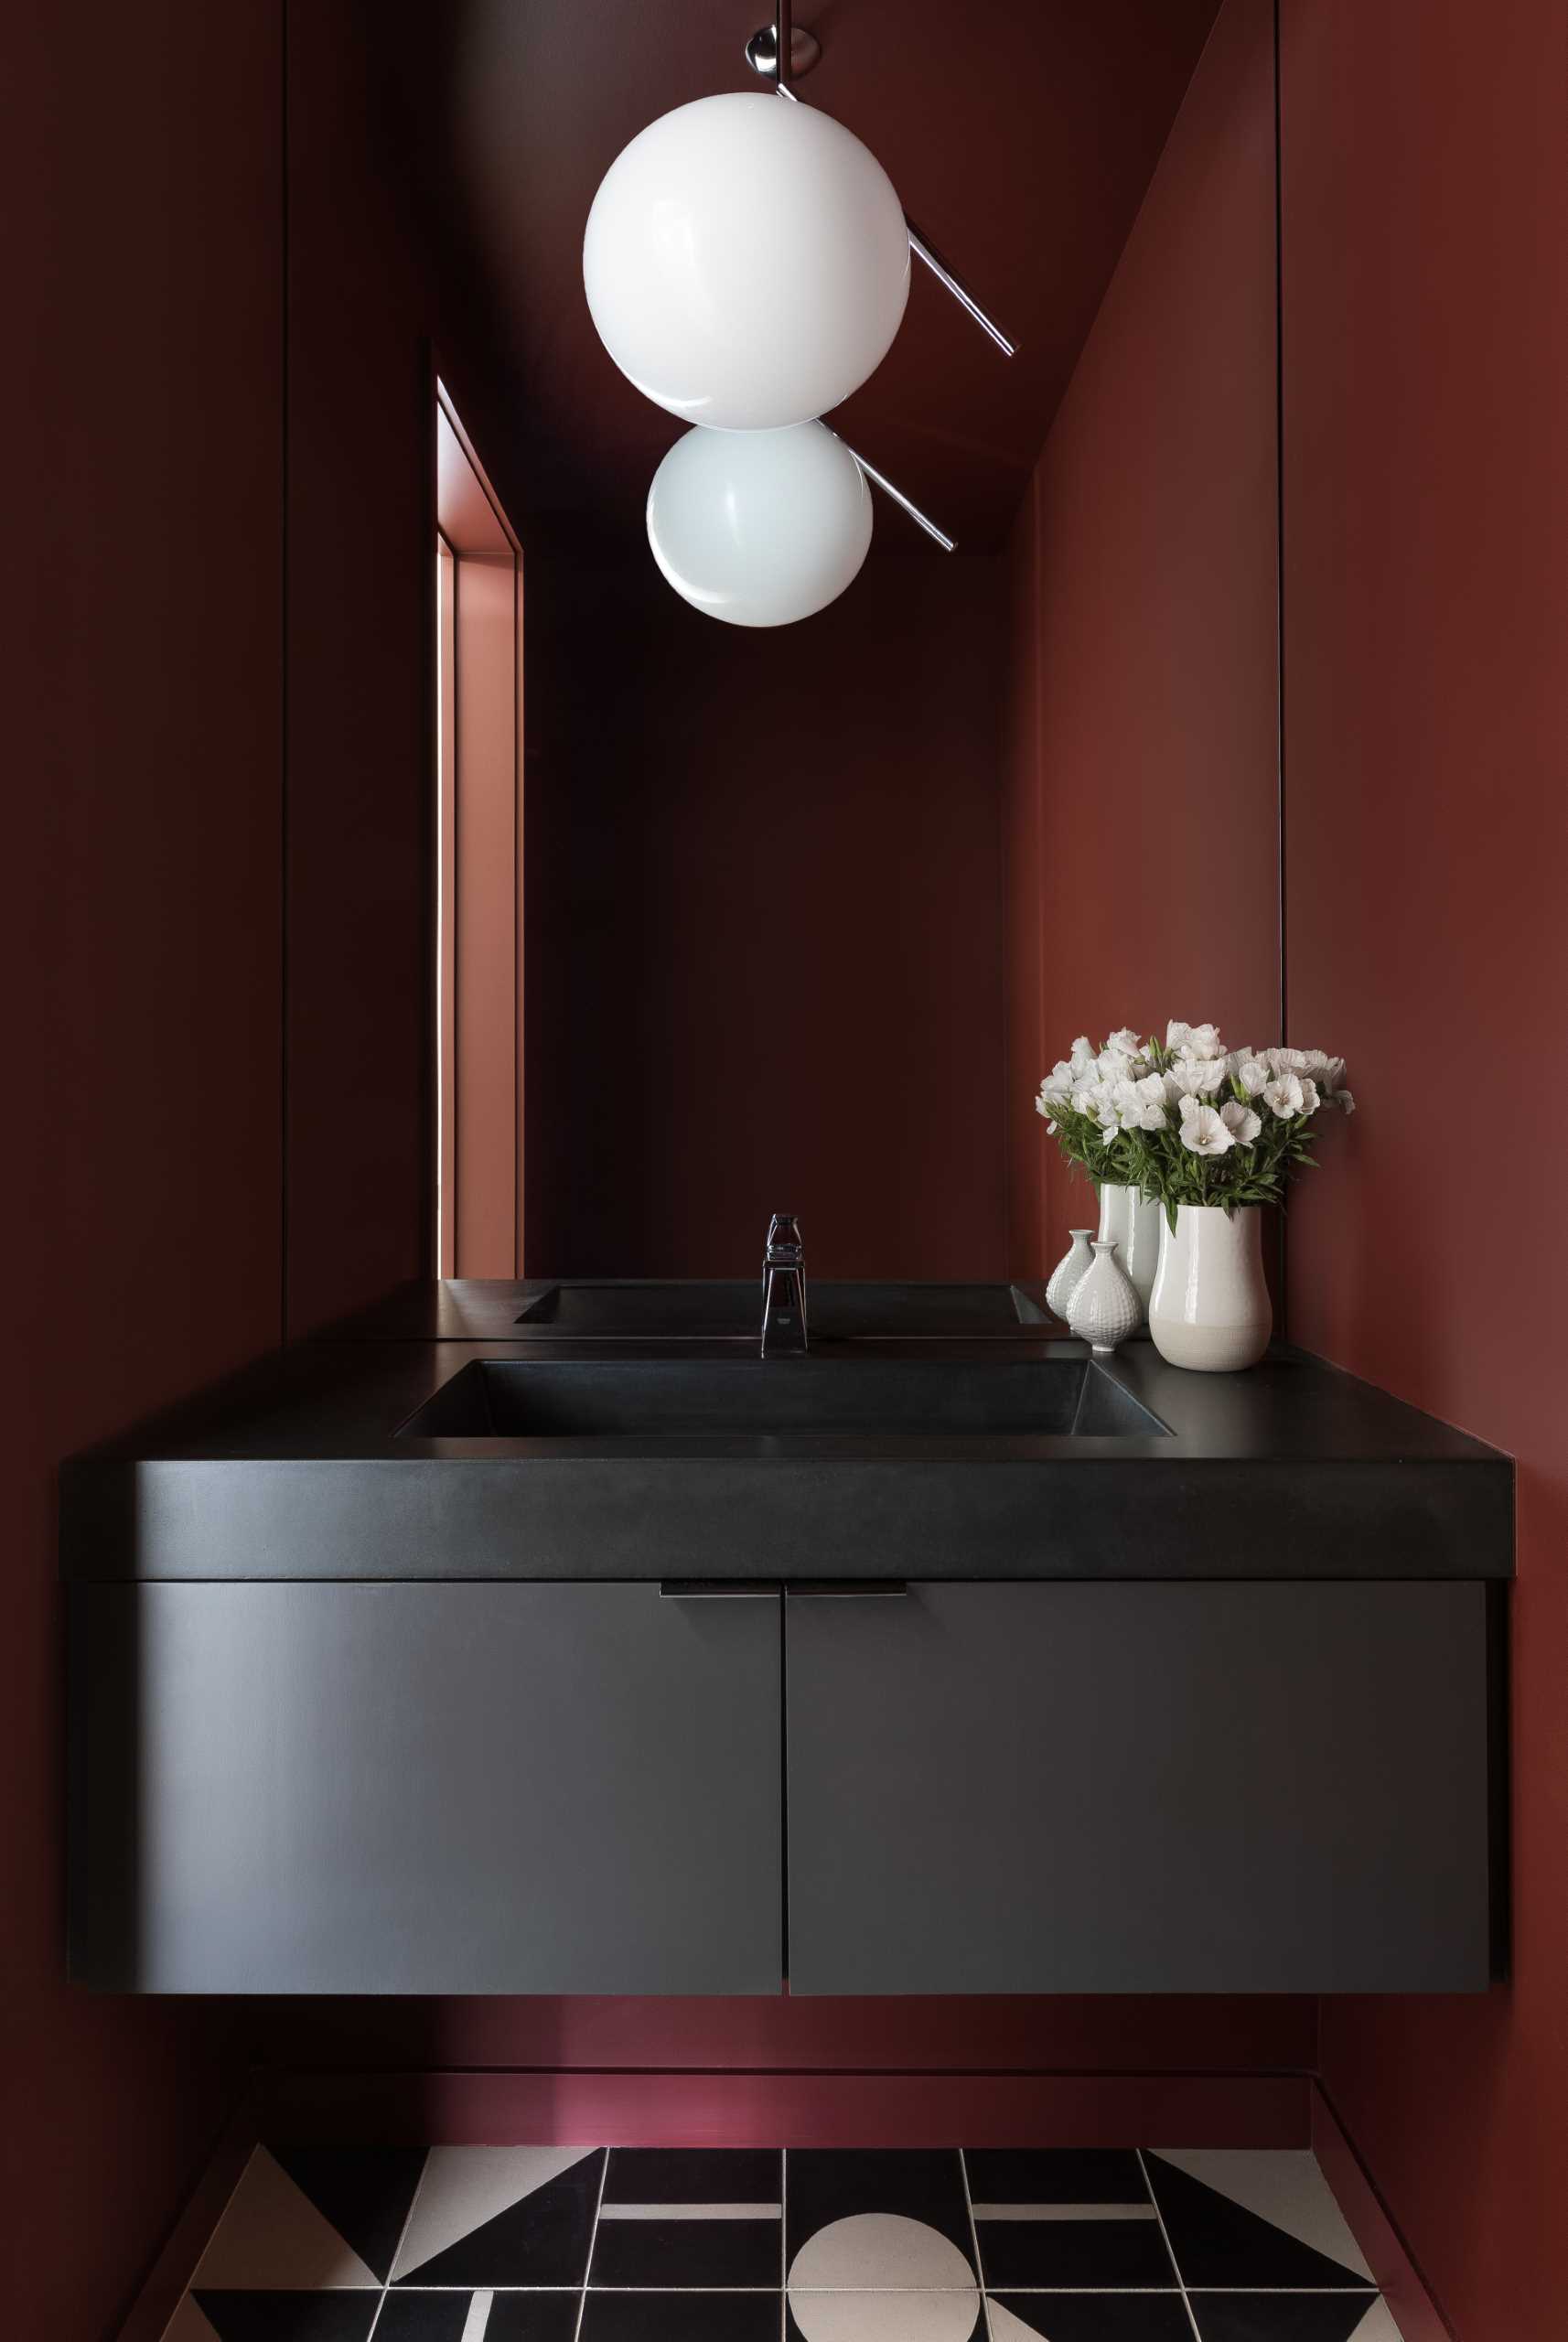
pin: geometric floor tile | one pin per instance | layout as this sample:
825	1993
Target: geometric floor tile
364	2192
878	2252
1289	2317
633	2244
290	2317
528	2318
1066	2218
1218	2240
429	2317
694	2217
679	2317
273	2237
1282	2186
886	2318
461	2317
826	2185
1087	2317
502	2215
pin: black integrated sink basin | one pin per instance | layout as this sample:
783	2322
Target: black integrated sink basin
752	1398
730	1308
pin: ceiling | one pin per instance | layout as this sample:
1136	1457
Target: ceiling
1021	135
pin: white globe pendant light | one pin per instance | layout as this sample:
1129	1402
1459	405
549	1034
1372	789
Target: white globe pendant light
746	262
759	528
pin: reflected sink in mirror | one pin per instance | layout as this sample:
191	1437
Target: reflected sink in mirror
750	1398
730	1308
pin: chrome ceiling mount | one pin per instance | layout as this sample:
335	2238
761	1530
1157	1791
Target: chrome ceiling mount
762	52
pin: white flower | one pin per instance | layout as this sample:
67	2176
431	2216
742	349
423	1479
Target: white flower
1056	1090
1113	1066
1203	1041
1253	1074
1286	1096
1194	1077
1083	1056
1289	1061
1343	1100
1310	1099
1142	1104
1126	1042
1241	1122
1203	1131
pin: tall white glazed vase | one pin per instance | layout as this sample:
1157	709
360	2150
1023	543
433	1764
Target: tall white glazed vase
1210	1308
1134	1226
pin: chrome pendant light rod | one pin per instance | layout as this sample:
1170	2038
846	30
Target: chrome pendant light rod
881	480
778	68
955	284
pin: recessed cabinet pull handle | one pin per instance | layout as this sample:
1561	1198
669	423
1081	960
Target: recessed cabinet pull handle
718	1589
844	1589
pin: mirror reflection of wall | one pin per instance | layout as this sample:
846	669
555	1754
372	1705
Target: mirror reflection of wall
479	870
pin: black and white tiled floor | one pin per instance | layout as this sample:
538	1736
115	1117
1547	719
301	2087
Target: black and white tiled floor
632	2244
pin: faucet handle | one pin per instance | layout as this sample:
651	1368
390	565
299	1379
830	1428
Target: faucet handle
785	1248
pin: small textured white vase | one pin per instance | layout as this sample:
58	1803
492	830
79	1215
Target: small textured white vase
1105	1307
1210	1308
1132	1225
1068	1273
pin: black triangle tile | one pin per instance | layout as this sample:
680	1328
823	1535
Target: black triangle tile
542	2240
289	2316
1219	2242
365	2192
1278	2317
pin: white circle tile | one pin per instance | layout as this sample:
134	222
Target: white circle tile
879	2277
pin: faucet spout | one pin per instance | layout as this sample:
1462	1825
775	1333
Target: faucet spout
784	1289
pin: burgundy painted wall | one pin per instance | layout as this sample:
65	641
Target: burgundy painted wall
374	298
1143	734
761	927
143	846
1426	275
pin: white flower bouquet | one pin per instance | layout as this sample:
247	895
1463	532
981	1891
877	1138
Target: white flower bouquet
1187	1121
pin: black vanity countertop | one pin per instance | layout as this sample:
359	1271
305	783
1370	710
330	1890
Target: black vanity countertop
296	1469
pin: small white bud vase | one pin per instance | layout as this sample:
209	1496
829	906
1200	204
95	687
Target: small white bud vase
1210	1308
1132	1225
1105	1309
1068	1273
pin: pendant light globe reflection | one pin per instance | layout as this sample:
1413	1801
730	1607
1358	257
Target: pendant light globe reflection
747	261
759	528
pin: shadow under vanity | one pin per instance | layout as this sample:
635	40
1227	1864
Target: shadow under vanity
469	1650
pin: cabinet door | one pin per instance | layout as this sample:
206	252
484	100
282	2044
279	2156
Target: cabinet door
1190	1787
425	1789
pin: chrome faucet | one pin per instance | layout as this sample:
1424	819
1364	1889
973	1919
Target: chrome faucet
784	1288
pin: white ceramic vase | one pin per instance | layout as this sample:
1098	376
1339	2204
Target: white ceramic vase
1210	1308
1068	1273
1132	1225
1105	1309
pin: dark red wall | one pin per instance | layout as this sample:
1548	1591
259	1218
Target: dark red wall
141	941
172	271
763	963
1143	735
375	298
1425	274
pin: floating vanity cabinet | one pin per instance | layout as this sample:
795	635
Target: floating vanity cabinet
412	1787
1130	1786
